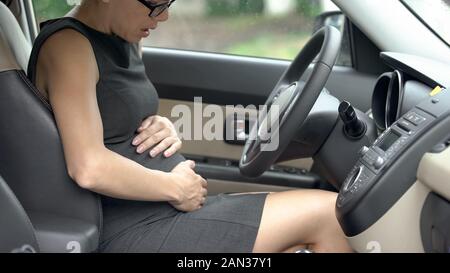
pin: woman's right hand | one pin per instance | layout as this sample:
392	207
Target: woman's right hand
192	187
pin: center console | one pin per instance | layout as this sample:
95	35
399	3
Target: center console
387	169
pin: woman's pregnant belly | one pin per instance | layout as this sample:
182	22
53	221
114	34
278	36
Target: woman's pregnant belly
119	215
160	162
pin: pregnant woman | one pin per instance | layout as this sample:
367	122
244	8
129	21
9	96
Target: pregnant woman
88	66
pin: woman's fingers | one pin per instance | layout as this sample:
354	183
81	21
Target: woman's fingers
204	183
163	145
146	123
147	133
173	149
159	131
154	139
204	192
190	164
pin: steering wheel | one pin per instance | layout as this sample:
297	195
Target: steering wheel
290	102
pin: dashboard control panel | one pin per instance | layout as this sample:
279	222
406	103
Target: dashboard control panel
374	160
387	169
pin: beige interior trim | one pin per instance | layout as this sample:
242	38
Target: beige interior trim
434	171
399	229
216	148
7	60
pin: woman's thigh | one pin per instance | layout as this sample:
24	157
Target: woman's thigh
300	217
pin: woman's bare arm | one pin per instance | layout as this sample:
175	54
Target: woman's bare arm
71	75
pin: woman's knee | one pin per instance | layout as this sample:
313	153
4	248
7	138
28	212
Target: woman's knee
293	218
300	204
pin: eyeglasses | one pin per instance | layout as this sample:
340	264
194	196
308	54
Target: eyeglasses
156	9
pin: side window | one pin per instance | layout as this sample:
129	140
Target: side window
258	28
50	9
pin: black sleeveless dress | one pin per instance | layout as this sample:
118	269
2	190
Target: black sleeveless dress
125	98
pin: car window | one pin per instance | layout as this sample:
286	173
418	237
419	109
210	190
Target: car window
258	28
434	14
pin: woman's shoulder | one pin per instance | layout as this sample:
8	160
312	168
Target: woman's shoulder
60	37
49	27
66	44
59	48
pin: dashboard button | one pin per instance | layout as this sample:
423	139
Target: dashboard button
370	157
415	118
405	126
379	162
364	150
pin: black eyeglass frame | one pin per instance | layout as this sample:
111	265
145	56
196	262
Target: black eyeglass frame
154	11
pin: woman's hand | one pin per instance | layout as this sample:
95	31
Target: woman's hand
158	131
192	187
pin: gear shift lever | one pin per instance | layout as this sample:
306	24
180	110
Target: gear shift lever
354	128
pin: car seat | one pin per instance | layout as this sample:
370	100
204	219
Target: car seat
66	218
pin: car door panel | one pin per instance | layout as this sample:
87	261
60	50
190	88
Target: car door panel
180	76
215	148
218	161
227	79
235	80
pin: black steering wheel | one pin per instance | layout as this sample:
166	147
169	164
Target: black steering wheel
290	103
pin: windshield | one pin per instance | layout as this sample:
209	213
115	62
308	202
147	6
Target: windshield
435	14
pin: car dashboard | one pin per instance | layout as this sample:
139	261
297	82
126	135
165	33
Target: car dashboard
411	82
383	205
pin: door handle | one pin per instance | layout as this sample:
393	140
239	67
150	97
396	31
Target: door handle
237	128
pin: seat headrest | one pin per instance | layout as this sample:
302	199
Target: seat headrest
13	37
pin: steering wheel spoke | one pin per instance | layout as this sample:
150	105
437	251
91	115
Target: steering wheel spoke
290	102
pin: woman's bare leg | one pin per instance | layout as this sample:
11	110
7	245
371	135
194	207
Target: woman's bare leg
300	218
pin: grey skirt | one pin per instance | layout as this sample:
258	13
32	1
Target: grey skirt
225	224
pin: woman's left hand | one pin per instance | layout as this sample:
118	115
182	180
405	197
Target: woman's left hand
159	132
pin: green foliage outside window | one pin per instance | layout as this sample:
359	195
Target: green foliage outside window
309	8
234	7
49	9
242	31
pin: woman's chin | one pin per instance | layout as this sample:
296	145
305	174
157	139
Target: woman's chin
145	33
137	38
134	39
